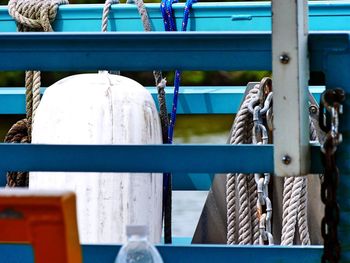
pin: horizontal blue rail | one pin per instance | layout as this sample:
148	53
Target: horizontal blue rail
141	158
152	51
135	51
330	15
190	164
192	100
185	254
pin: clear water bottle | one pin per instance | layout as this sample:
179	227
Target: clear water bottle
138	249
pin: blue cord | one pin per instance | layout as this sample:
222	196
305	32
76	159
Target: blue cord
170	25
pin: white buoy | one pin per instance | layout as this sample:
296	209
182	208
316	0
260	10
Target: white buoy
102	109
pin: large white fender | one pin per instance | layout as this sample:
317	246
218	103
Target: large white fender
102	109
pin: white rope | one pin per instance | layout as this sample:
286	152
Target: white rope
288	230
302	215
244	220
105	14
253	198
299	211
240	133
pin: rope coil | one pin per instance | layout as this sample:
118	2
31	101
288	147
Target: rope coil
246	223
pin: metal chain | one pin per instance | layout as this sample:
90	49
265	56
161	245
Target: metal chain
259	107
330	109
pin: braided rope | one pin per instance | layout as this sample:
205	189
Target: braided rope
18	133
144	15
244	220
29	100
301	209
253	199
239	135
36	92
302	215
288	233
34	14
105	14
231	206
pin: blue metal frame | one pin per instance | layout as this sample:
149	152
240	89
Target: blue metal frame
329	53
192	100
331	15
185	254
153	50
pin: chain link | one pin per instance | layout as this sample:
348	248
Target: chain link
330	108
260	107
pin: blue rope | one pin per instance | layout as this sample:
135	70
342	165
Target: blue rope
170	25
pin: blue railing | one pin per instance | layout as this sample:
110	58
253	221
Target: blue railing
329	53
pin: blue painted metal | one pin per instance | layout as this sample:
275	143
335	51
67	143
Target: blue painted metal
11	253
192	100
331	15
121	158
184	254
215	253
135	51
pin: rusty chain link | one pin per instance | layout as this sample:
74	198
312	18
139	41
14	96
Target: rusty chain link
260	107
330	109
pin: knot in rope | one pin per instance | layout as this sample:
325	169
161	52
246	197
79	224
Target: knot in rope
35	14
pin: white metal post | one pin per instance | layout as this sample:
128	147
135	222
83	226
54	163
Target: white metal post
290	69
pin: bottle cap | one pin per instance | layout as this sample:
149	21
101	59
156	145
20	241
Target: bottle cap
140	230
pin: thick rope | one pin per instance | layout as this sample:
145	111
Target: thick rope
287	193
33	15
240	135
291	217
288	220
253	199
231	206
18	134
29	100
244	219
105	14
302	216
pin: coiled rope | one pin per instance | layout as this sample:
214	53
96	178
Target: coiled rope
33	15
247	223
241	193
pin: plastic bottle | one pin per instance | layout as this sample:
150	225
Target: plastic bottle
138	249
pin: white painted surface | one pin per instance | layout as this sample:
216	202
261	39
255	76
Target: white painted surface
102	109
290	84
